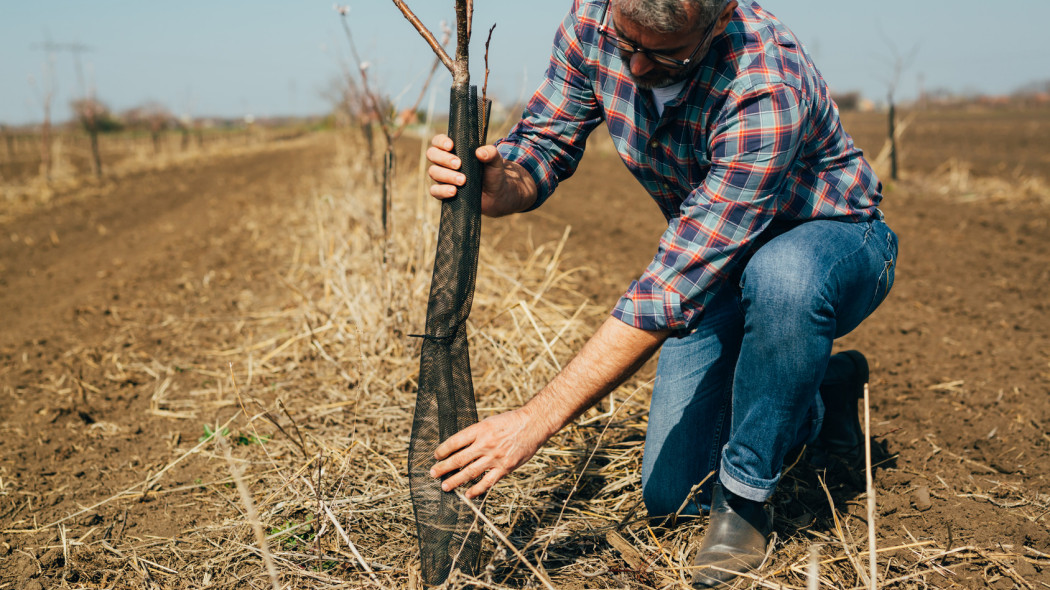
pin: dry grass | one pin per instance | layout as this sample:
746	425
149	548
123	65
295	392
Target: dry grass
328	483
316	496
122	155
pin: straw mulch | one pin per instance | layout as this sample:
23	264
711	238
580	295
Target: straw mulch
304	485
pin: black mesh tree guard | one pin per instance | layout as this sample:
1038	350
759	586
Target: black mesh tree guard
449	537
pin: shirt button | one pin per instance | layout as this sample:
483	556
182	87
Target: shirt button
654	144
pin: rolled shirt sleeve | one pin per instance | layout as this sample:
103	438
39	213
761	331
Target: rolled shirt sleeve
753	147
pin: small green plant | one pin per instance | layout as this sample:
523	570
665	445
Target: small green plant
241	438
292	541
251	439
210	434
327	566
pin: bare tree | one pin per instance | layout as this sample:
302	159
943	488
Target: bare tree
900	63
159	118
186	122
371	106
153	117
183	125
9	139
90	113
445	401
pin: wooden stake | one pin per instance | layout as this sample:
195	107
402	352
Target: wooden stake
813	571
873	564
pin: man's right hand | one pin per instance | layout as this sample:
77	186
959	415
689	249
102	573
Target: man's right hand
505	186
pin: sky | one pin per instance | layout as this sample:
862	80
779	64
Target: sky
232	58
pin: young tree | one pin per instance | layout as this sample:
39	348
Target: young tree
445	401
94	117
153	117
899	65
371	106
9	139
159	119
184	125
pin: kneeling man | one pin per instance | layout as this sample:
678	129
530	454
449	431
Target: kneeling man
774	248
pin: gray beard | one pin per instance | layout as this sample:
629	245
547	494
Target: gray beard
650	83
664	78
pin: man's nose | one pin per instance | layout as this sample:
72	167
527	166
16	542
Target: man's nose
640	64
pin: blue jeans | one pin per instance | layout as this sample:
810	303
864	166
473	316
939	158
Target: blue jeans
735	395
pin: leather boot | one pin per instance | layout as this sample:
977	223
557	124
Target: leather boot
736	539
841	439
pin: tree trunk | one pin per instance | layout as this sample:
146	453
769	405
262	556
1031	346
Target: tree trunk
388	181
45	145
370	145
96	156
10	141
893	141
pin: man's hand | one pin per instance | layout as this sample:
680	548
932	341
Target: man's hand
505	186
493	447
500	444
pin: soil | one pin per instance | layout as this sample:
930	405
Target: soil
93	282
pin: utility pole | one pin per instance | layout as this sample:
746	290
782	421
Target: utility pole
86	108
76	49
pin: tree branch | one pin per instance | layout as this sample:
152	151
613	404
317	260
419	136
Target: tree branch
419	99
361	69
470	19
485	87
427	35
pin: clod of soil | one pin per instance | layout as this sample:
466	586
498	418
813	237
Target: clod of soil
921	499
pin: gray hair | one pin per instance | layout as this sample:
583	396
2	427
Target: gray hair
668	16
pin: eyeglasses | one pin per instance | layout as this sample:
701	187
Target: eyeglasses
629	48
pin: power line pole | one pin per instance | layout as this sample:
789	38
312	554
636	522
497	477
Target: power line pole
76	49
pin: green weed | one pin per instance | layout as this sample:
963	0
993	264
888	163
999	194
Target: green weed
210	434
240	439
291	540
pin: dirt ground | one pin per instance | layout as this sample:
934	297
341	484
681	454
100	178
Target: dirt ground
92	283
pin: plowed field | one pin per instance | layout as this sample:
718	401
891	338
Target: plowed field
162	270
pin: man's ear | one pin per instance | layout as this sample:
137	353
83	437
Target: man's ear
725	17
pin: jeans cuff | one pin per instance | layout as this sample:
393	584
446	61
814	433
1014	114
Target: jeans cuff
746	487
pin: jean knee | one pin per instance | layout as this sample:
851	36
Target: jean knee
782	286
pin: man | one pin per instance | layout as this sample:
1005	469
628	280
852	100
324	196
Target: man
774	248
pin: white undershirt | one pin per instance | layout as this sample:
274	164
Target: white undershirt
665	94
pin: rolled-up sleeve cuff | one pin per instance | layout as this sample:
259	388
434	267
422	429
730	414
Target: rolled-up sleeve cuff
537	167
653	309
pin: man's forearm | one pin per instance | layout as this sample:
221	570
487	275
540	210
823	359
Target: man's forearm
612	355
499	444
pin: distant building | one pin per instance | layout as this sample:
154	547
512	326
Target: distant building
853	101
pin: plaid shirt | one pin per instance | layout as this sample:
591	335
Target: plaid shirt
752	142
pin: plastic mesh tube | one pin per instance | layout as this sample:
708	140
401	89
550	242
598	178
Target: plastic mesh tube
449	537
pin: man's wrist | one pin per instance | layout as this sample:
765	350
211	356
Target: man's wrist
540	412
520	185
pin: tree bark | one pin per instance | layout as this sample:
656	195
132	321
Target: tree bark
893	141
